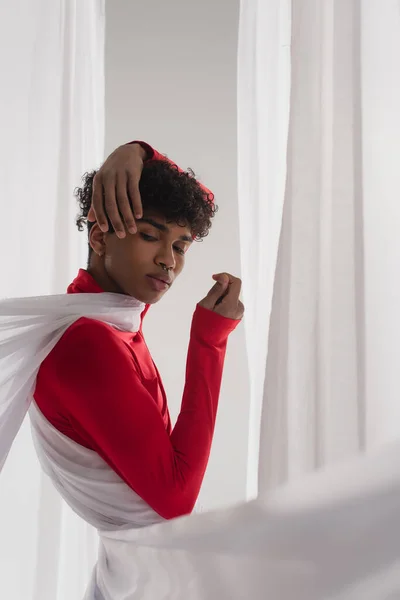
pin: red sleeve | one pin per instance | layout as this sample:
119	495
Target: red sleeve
107	401
153	154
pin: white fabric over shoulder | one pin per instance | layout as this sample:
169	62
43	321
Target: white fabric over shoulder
334	535
29	329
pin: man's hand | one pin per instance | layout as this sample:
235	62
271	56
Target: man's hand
115	182
223	298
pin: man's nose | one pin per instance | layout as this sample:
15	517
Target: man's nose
166	259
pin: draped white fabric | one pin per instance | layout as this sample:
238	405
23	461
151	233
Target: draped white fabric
330	287
29	330
334	535
52	129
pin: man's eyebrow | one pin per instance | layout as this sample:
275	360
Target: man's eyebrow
163	228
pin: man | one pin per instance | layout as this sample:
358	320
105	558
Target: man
99	386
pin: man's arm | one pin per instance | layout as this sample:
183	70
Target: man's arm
106	403
116	188
116	191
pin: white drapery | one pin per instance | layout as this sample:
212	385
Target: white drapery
319	140
52	124
263	109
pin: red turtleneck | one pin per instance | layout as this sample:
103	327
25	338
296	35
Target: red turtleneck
100	387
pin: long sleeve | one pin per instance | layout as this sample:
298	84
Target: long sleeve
152	154
102	395
195	425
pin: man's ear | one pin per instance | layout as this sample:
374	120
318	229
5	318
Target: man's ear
97	240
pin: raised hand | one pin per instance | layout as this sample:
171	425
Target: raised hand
223	298
115	183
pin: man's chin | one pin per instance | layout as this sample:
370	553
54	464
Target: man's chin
146	296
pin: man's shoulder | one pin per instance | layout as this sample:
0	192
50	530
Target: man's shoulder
90	334
85	326
86	345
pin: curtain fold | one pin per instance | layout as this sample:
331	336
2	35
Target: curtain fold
314	411
320	251
263	114
52	123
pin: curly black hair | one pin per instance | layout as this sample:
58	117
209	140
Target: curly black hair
176	195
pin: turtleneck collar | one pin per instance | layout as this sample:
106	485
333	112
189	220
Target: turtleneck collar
84	283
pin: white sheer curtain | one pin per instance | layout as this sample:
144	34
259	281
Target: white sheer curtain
263	112
52	124
320	219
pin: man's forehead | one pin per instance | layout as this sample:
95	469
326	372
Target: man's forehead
154	214
160	221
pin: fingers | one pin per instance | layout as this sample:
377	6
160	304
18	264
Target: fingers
216	293
223	278
240	310
232	297
223	281
223	298
116	192
111	207
124	205
96	212
229	304
134	195
91	216
116	204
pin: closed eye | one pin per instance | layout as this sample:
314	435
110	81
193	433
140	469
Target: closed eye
148	238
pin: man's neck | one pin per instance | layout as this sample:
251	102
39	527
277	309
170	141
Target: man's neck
97	270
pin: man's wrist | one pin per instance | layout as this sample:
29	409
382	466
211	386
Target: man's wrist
141	151
145	151
211	327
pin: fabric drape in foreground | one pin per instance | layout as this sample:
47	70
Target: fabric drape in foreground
335	534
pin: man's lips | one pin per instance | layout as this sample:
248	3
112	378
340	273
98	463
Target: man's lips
165	278
158	282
